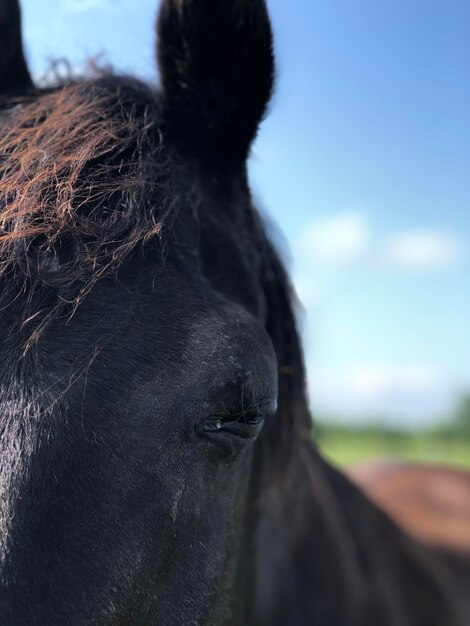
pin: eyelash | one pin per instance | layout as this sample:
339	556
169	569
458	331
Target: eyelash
245	424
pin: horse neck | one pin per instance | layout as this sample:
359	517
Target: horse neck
326	555
299	561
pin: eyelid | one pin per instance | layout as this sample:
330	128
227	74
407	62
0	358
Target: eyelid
245	424
243	428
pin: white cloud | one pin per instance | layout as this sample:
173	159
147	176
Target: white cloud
403	393
423	250
337	240
80	6
382	380
370	382
347	239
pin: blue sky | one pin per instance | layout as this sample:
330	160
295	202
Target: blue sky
364	164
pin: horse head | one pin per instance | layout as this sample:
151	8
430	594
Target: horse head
146	331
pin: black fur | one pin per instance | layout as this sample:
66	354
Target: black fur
128	495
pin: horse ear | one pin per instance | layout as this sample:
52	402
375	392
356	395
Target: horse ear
217	71
14	75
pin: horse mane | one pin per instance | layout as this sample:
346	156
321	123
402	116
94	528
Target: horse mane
82	182
293	414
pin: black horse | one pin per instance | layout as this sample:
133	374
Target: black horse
156	459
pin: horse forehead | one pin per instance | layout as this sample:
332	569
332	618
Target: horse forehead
182	323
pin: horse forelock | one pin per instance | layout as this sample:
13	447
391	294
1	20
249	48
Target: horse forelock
82	181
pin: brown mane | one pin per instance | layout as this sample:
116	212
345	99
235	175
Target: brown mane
80	181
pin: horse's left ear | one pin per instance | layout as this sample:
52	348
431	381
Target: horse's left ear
14	75
217	70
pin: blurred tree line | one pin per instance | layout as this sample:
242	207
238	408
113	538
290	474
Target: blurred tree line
461	421
458	425
446	442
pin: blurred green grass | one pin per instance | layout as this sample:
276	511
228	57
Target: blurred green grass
346	446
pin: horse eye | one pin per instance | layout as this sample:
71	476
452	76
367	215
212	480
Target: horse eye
246	427
244	424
